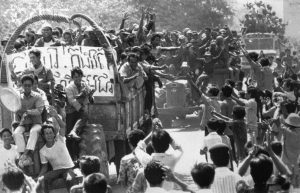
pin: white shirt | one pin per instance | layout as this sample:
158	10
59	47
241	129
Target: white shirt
251	111
48	44
7	156
156	190
169	158
204	191
57	155
210	140
225	181
290	95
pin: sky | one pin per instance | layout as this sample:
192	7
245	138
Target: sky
276	4
240	10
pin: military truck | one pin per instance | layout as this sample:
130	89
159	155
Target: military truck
259	42
116	109
176	101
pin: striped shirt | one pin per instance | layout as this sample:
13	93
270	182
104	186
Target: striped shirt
225	181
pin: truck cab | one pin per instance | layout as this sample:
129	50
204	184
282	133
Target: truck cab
259	42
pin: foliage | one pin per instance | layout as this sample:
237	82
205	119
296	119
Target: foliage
195	14
171	14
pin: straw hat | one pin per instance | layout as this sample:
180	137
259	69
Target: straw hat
293	120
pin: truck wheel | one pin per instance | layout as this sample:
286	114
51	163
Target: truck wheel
166	120
93	143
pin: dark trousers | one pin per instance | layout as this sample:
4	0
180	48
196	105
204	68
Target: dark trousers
75	122
148	97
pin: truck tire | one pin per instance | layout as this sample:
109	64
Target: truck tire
166	120
93	143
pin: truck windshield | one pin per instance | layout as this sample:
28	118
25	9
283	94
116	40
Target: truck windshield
259	43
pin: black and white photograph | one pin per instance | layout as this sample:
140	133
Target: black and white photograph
150	96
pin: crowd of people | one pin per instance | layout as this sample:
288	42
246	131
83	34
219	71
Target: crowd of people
251	127
262	19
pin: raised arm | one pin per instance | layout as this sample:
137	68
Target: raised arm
282	168
239	101
53	113
251	62
199	92
171	177
125	17
140	30
153	19
176	146
243	167
140	150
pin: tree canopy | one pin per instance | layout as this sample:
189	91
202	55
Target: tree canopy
171	14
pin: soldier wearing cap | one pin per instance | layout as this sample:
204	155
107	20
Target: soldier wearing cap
47	39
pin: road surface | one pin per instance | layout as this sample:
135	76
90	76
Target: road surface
187	134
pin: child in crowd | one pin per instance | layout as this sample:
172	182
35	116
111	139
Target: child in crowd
8	152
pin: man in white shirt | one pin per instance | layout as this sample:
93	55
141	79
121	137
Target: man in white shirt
211	139
161	141
156	174
250	105
225	180
55	152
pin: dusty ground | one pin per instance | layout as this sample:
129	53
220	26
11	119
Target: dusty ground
186	133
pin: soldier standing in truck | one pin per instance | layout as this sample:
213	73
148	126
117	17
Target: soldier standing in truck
132	72
79	96
287	60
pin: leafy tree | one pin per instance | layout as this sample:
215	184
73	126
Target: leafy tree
171	14
195	14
